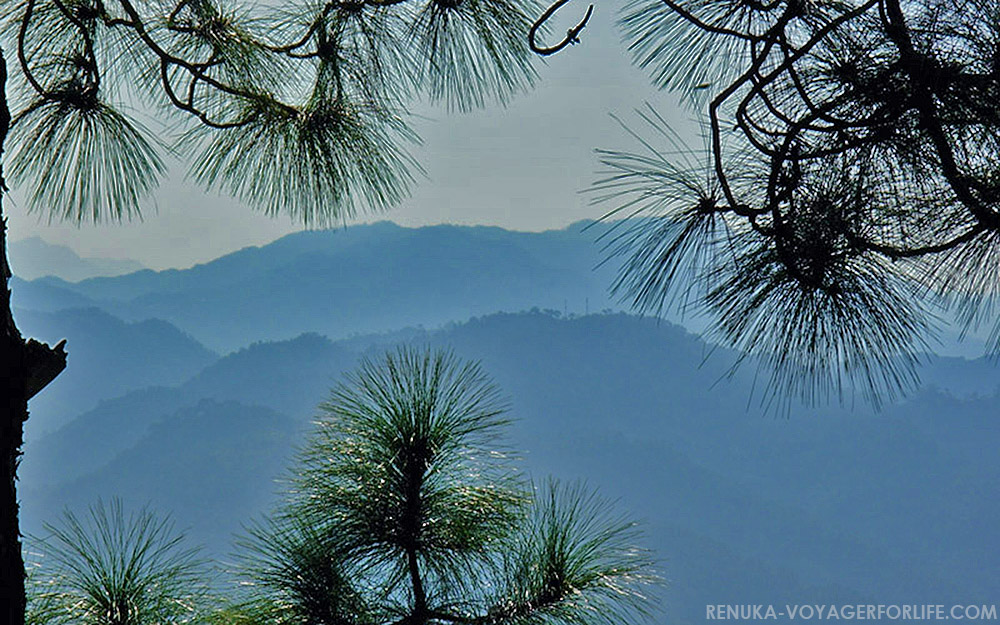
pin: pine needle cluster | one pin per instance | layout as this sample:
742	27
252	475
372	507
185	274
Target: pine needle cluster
405	510
111	567
846	195
298	109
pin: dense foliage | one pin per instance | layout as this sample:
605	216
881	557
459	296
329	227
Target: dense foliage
115	568
404	510
296	108
847	188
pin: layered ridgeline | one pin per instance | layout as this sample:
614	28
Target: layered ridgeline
824	506
362	279
34	258
109	358
338	283
189	389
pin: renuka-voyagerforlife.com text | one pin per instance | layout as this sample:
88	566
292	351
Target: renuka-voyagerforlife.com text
851	612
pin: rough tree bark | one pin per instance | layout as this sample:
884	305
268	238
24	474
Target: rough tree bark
26	367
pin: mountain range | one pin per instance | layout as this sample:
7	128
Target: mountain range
358	280
830	504
33	258
739	506
108	357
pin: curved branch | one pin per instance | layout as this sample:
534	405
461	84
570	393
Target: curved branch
88	44
913	63
22	57
572	35
197	72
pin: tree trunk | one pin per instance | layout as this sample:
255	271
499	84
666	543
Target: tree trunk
13	412
25	369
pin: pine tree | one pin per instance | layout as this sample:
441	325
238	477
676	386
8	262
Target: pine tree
847	191
296	108
404	509
112	567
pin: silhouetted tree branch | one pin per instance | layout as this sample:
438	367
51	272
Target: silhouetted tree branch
848	189
572	35
295	108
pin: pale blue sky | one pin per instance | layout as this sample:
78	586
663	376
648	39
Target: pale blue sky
520	167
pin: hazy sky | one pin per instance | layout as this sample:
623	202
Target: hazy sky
522	167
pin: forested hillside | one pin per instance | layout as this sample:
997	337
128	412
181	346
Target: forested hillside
739	504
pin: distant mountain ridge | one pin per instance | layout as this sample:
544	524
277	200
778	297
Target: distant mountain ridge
107	358
337	283
34	257
358	280
827	506
370	278
212	462
831	504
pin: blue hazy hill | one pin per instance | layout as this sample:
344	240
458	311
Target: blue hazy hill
33	257
370	278
46	294
211	464
107	358
93	438
834	505
363	279
289	377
